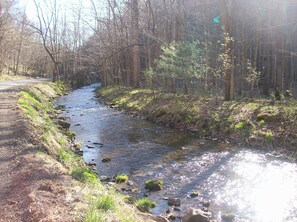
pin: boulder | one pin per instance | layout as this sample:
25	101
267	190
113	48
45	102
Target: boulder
153	185
63	124
196	215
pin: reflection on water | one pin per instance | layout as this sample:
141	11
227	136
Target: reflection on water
244	182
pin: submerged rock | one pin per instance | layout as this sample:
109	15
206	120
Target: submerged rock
196	215
174	202
106	159
194	194
99	144
228	217
153	185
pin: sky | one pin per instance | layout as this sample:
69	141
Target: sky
66	4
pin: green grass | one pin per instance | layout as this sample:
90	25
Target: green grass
84	174
269	136
93	215
121	178
105	203
235	121
145	204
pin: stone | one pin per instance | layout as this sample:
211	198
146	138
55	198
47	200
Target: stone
151	217
105	179
106	159
168	211
228	217
176	209
174	202
77	124
171	216
130	183
91	163
90	146
196	215
206	204
64	124
153	185
79	152
134	190
194	194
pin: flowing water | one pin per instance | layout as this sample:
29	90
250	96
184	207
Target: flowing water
252	185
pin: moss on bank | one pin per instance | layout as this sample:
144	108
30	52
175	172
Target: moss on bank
99	202
253	122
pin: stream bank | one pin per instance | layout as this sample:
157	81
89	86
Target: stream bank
81	194
253	122
196	172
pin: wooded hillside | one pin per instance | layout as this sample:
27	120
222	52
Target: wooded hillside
214	47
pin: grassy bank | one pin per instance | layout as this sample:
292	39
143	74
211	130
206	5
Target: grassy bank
252	122
98	202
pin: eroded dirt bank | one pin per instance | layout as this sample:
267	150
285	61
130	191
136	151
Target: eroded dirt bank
32	186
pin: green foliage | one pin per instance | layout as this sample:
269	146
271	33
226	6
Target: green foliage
261	122
239	125
84	174
180	60
145	204
252	73
121	178
269	136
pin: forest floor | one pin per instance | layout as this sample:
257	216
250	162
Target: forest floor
32	188
257	123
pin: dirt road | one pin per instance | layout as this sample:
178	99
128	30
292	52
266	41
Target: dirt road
14	84
33	187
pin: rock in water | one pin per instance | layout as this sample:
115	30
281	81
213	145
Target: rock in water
153	185
194	194
174	202
228	217
196	215
63	124
106	159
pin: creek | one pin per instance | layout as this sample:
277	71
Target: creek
251	184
